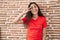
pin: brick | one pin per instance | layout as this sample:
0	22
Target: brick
10	9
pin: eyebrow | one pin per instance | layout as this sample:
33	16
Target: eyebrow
34	5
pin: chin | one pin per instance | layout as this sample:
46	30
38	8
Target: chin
34	12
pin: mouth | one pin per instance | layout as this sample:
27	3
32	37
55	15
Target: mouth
34	10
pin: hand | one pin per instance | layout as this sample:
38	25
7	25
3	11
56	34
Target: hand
25	11
29	8
43	38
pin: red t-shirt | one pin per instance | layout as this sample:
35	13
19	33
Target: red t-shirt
35	28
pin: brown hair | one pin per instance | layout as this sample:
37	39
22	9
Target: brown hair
29	13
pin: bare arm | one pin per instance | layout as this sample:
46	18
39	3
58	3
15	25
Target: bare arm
44	33
17	20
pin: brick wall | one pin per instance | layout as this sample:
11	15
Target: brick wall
10	9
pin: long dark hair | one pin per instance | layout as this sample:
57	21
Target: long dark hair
29	13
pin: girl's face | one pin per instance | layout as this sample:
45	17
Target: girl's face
34	9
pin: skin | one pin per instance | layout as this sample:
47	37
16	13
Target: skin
44	33
34	9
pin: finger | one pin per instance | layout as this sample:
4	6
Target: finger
29	9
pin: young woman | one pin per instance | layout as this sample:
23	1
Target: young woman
35	21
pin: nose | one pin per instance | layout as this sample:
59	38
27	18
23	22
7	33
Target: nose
33	8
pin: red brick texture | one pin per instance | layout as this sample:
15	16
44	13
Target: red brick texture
10	9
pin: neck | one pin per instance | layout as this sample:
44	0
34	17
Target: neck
35	15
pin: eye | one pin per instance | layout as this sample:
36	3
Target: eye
35	6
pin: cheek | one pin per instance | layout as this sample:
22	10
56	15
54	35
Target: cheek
34	9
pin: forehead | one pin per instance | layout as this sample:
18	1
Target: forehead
33	5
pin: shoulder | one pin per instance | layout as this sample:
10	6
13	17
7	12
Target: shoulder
43	17
24	18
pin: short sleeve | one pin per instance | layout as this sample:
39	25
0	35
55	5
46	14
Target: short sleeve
24	19
44	23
